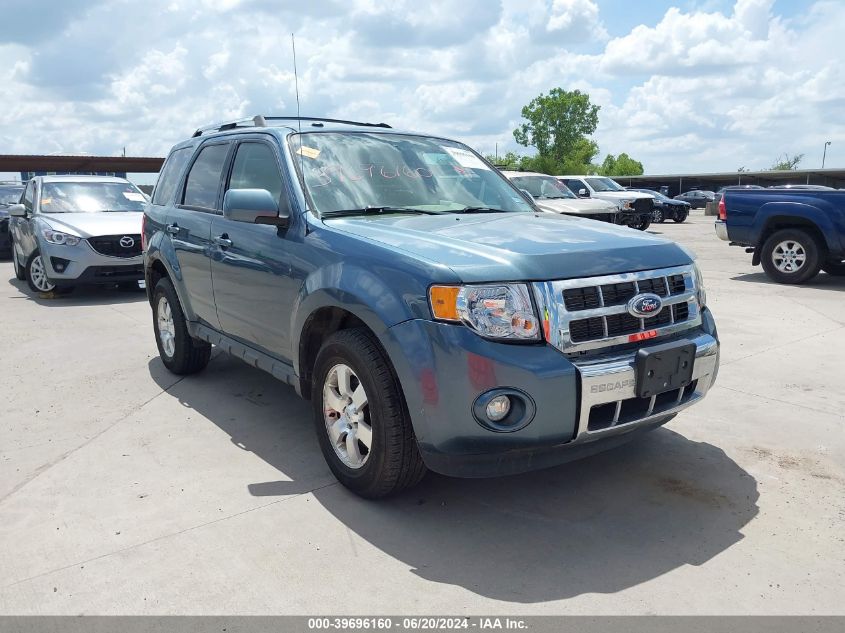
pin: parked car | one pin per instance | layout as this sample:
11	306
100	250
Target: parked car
805	187
665	208
74	230
10	193
793	233
722	190
696	198
433	315
634	206
551	195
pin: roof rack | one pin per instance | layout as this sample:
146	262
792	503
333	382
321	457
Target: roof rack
261	121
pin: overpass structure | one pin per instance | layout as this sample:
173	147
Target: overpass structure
33	165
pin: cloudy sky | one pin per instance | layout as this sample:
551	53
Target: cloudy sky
683	85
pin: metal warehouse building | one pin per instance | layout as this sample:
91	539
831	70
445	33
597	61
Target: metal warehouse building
678	183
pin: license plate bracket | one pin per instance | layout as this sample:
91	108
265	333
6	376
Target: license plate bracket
665	367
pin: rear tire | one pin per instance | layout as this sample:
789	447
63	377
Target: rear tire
657	216
179	351
350	369
791	256
835	268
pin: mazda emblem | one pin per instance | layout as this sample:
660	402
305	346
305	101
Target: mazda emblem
645	305
127	242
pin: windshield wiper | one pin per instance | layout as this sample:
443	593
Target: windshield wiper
376	211
480	210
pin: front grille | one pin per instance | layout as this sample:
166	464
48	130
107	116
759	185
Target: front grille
605	416
644	205
622	323
107	272
110	245
587	314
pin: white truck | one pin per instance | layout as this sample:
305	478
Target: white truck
635	208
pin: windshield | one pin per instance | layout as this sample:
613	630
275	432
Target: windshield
356	170
543	187
10	195
604	184
90	197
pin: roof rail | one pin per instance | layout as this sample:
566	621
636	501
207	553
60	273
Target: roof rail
261	121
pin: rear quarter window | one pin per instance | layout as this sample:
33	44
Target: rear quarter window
169	177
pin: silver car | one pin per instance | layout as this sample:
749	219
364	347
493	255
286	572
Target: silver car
74	230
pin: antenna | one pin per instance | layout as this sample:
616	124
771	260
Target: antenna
298	120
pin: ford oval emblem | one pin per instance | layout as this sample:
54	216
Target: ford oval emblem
645	305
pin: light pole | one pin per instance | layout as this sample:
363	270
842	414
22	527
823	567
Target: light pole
824	155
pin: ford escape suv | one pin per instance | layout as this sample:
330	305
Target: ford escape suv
431	313
74	230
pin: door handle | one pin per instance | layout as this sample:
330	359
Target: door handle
223	241
173	229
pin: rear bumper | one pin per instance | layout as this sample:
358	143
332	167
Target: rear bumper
722	230
578	408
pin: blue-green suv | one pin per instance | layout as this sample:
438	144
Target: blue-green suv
432	314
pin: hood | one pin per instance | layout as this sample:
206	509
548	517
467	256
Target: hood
517	246
94	224
621	195
577	206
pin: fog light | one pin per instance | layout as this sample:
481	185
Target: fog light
498	408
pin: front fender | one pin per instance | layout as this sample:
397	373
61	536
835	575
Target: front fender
373	298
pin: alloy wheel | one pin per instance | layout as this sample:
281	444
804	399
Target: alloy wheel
166	327
346	415
39	275
789	256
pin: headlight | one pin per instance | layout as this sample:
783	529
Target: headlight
500	311
699	285
57	237
626	205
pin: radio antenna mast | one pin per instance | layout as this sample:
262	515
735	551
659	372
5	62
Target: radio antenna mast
296	81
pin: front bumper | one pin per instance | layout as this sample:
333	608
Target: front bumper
722	230
580	408
82	265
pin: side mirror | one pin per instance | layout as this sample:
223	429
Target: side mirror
583	193
253	206
17	211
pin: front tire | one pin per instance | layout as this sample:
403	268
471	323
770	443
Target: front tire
642	225
680	216
36	274
361	419
179	351
791	256
835	268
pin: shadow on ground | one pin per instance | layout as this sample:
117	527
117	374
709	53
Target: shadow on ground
602	525
80	296
823	280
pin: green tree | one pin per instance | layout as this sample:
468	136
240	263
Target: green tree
623	165
557	122
787	162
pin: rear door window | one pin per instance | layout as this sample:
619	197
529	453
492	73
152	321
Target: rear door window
169	177
203	183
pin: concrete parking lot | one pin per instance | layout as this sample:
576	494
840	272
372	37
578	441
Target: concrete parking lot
127	490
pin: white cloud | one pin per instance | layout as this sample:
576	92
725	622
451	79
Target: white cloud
696	90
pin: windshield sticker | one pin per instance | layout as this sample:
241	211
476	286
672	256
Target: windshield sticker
466	158
134	196
329	174
308	152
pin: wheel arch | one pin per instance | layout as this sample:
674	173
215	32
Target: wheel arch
779	222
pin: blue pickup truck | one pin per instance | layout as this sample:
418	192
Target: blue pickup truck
434	316
793	233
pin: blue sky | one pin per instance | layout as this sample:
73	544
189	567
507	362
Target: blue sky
683	86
